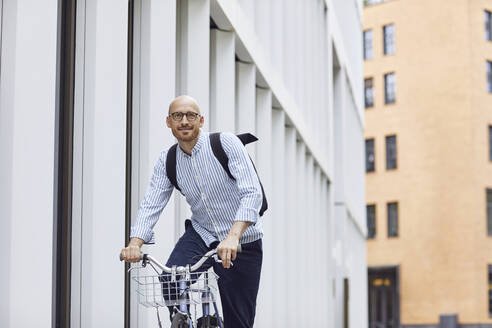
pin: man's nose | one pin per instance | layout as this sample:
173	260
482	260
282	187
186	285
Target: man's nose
184	120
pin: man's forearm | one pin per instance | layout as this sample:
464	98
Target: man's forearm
238	229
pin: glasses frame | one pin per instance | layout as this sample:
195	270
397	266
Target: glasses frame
194	116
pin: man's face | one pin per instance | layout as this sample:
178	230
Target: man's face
187	129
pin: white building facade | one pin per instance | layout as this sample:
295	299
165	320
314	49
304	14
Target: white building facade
84	90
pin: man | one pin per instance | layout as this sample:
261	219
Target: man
224	211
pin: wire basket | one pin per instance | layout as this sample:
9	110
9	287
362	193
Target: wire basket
163	290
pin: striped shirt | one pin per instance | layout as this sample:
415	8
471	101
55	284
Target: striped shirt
216	200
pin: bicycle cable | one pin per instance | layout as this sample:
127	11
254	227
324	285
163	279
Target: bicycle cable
158	317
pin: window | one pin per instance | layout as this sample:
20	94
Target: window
389	39
489	76
392	219
390	152
369	155
368	93
489	212
389	88
490	290
368	53
490	142
371	221
488	25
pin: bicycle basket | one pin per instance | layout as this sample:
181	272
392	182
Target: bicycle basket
163	290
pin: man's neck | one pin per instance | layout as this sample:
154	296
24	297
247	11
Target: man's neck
187	146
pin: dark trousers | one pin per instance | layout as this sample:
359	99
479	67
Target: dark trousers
238	286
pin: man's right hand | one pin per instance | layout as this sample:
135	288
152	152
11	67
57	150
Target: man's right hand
132	252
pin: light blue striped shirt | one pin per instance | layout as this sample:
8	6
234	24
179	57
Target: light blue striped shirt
216	200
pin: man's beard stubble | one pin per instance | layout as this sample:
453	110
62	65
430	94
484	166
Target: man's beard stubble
194	132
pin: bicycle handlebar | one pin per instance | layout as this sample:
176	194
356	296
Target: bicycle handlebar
146	258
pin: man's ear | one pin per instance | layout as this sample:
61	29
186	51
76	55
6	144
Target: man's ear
168	122
202	120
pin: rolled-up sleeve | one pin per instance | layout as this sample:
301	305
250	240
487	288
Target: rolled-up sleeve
156	198
247	181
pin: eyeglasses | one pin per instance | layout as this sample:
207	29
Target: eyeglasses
190	116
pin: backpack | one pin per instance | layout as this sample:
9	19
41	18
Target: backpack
221	156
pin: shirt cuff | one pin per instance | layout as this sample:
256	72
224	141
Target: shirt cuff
147	237
247	215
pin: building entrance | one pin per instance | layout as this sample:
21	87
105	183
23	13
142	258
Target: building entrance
384	307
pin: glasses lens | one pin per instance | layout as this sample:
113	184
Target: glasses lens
177	116
190	116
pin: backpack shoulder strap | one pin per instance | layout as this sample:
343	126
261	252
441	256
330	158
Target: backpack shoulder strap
220	153
221	156
171	166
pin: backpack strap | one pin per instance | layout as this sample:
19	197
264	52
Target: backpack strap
221	156
220	153
171	166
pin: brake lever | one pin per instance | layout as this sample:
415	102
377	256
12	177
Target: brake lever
218	260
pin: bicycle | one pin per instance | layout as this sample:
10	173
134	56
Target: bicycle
180	287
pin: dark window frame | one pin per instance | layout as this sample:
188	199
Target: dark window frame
63	163
488	210
368	47
371	221
488	68
369	85
391	152
393	226
389	47
488	24
389	88
129	141
490	142
368	167
490	289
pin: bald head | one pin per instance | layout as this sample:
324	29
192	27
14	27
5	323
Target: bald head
184	101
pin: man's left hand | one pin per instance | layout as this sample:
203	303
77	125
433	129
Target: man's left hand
227	250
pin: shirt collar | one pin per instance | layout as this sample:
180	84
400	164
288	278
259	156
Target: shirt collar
200	142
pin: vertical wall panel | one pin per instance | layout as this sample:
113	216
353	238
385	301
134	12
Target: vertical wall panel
309	284
301	249
291	221
248	7
246	101
192	72
154	87
325	247
262	25
319	235
7	100
277	30
78	155
278	209
222	78
194	38
27	161
263	163
104	152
